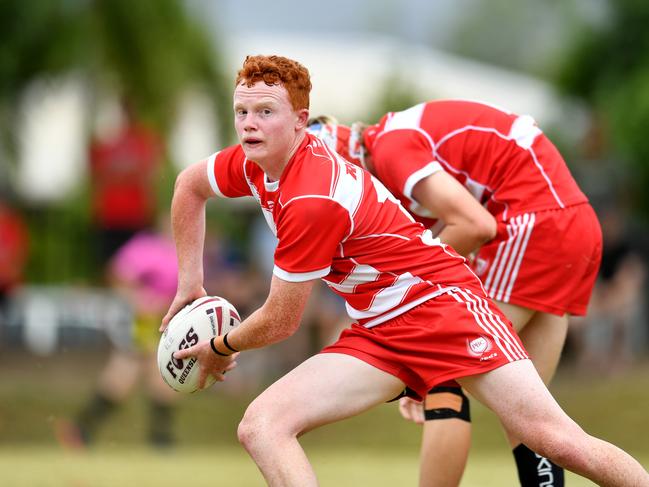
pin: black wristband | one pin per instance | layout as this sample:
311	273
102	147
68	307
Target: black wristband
215	350
225	342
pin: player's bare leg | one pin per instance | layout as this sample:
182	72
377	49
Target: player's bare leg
162	400
342	386
117	379
120	375
444	452
543	335
446	442
157	388
516	393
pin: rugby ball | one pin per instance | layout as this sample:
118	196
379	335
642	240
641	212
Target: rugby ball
205	318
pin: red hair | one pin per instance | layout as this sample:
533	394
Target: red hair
278	70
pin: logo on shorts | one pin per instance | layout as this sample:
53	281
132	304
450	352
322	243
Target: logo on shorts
479	346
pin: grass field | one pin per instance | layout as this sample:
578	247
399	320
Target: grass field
137	467
375	449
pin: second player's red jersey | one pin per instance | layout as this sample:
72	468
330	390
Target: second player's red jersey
335	221
503	159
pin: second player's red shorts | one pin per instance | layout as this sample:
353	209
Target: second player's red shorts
546	261
453	335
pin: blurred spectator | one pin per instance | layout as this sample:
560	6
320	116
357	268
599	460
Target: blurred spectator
230	273
124	170
144	271
613	333
13	253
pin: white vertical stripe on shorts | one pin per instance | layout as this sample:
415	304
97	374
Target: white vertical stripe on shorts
504	269
492	324
505	329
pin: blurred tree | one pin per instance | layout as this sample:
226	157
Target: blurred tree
154	51
608	66
151	51
396	94
35	40
525	35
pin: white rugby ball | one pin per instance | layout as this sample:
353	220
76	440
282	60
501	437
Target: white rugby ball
205	318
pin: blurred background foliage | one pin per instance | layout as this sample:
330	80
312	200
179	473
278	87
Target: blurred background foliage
397	94
607	65
151	52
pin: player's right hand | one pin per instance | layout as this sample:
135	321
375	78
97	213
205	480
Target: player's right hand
208	361
412	410
181	300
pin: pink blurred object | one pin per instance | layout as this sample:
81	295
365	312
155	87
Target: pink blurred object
147	266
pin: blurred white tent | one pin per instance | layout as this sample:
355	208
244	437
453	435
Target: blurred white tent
349	74
51	139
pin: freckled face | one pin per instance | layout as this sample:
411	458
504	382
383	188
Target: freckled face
266	124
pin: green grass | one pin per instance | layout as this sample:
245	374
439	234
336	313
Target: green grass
214	466
374	449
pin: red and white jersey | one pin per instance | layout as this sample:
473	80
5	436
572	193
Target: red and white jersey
503	159
334	221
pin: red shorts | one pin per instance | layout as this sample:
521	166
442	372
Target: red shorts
546	261
453	335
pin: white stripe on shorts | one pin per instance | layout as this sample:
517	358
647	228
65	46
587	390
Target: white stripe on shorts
492	324
504	269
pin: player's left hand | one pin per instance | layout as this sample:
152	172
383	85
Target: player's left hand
411	410
181	300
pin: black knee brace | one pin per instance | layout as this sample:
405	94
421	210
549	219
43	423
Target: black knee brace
446	402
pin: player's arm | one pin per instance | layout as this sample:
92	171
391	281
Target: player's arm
275	321
309	232
191	192
467	223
